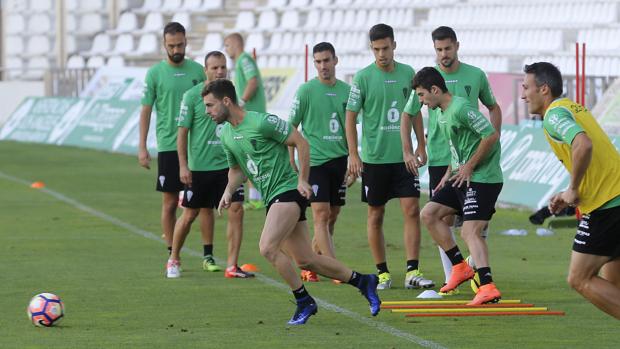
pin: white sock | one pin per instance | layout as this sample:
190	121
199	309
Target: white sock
445	261
254	194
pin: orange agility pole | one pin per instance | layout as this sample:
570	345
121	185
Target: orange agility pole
498	313
464	306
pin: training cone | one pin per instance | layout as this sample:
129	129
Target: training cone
37	185
429	294
249	267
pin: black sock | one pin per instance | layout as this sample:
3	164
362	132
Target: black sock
382	268
207	250
412	264
455	255
301	294
356	279
169	250
485	276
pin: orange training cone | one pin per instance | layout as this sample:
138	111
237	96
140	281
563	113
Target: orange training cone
37	185
249	267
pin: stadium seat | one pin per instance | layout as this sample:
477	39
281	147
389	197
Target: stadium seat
90	24
71	23
312	20
326	19
287	42
40	23
14	6
150	6
184	18
95	62
148	44
38	45
290	20
124	44
283	61
154	22
171	6
101	44
348	21
93	5
70	43
192	5
213	5
245	21
116	62
213	41
36	67
76	62
255	41
276	4
321	3
337	20
298	3
272	62
268	20
14	67
71	5
14	44
127	23
41	6
15	24
275	42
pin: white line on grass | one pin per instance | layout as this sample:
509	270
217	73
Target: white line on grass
267	280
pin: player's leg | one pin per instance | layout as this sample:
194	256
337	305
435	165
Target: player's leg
169	203
583	277
435	174
611	272
181	230
234	233
207	229
169	183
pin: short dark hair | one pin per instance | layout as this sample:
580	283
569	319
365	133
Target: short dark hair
219	89
548	74
442	33
324	46
213	54
173	28
380	31
428	77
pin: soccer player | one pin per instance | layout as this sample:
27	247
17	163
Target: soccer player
164	86
256	147
462	80
319	106
381	90
594	164
204	171
250	92
470	185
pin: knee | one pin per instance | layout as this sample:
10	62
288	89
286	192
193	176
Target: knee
577	281
189	215
322	215
268	251
427	216
235	211
413	211
305	263
375	217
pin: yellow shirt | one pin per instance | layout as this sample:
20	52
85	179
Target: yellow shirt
563	120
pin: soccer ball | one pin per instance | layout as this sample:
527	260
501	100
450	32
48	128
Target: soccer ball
46	310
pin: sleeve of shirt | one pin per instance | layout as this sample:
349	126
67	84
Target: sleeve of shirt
413	105
149	93
230	158
186	113
298	109
356	94
273	127
249	68
475	121
561	125
486	93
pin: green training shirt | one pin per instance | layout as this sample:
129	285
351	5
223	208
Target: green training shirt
464	127
257	146
320	109
164	87
204	148
382	97
469	82
246	69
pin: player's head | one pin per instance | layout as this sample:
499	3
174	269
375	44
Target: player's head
233	44
382	44
215	65
174	41
446	46
541	85
325	60
429	85
219	96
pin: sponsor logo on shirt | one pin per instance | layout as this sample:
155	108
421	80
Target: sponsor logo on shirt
390	81
331	94
176	75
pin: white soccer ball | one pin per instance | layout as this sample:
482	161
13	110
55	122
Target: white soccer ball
46	310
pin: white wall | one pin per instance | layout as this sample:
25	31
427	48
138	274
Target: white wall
13	92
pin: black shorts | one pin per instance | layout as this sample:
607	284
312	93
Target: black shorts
435	174
207	189
475	203
382	182
327	181
598	233
168	180
291	196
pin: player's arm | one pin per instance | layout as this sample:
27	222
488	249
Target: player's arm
355	163
250	89
581	155
410	160
144	158
235	179
296	140
495	115
488	99
184	173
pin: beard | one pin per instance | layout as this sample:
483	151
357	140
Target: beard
223	115
177	57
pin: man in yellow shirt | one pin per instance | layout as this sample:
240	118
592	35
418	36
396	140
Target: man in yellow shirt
594	166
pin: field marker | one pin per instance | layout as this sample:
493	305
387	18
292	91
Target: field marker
431	306
366	320
498	313
468	310
462	301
